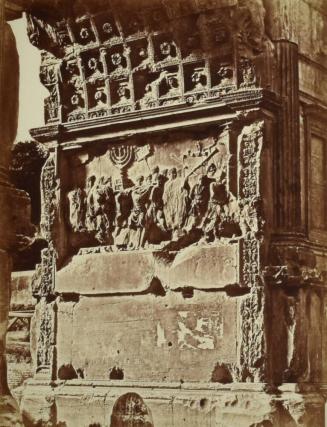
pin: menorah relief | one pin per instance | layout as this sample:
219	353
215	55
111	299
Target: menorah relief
186	202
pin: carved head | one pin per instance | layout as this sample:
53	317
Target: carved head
116	58
166	48
99	96
75	100
93	64
90	181
161	180
172	81
123	91
109	181
143	53
84	33
199	78
140	180
148	88
71	67
225	72
155	171
102	180
107	28
173	173
212	169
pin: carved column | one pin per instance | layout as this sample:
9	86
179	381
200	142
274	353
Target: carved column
14	204
288	149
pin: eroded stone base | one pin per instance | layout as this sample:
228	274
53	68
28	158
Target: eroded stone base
82	403
9	412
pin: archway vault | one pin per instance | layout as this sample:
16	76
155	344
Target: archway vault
131	411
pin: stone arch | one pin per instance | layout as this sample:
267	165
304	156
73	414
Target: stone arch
130	411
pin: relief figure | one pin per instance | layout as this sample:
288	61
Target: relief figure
90	220
104	210
200	196
175	202
162	207
155	224
77	209
136	221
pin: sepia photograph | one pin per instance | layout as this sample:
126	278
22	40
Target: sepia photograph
163	213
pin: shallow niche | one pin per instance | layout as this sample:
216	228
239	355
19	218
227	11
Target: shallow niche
131	411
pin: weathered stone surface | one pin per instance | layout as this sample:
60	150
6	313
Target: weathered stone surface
97	403
202	268
133	334
183	281
133	272
107	273
38	407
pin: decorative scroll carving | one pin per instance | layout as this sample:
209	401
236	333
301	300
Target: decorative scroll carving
249	157
252	346
43	279
48	197
250	144
250	256
46	338
144	61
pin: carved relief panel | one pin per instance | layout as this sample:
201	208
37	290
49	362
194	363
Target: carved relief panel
155	194
191	193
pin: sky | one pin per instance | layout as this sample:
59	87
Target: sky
31	91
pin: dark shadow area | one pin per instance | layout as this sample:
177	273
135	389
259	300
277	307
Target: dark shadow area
27	160
221	374
116	374
67	372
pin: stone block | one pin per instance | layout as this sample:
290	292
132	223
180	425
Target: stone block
121	272
207	267
147	337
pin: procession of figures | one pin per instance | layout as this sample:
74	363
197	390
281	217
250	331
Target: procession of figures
156	209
